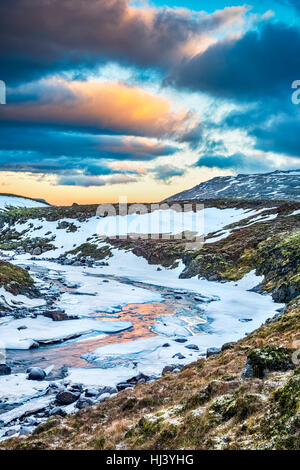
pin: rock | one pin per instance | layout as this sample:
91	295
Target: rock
122	386
245	320
103	397
247	371
10	432
192	346
4	369
91	392
180	340
108	389
227	346
36	251
268	359
77	388
58	411
83	402
214	277
58	315
66	397
166	345
178	297
36	373
22	327
170	368
140	378
212	351
179	356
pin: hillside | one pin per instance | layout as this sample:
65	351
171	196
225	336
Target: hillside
8	201
278	185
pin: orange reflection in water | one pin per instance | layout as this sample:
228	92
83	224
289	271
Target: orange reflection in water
142	316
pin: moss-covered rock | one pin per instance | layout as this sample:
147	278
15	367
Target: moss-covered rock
15	279
270	358
91	250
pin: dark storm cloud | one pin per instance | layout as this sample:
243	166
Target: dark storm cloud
45	151
41	36
260	64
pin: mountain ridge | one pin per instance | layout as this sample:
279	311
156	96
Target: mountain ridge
276	185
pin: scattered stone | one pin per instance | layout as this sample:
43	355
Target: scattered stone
58	315
91	392
170	368
103	397
229	345
140	378
212	351
192	346
166	345
66	397
36	373
4	369
122	386
36	251
58	411
22	327
180	340
83	402
179	356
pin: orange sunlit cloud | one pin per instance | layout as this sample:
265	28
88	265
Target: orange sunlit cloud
104	106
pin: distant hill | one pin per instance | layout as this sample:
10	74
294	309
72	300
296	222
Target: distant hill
280	185
8	201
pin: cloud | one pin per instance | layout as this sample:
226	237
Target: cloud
40	36
237	162
87	181
167	172
102	107
260	64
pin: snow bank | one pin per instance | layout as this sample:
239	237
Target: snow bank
44	330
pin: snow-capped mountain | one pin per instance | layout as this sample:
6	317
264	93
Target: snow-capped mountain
278	185
8	201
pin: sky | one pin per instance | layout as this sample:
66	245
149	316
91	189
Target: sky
110	98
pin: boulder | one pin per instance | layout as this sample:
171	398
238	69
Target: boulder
4	369
36	251
58	411
36	373
227	346
212	351
179	356
268	359
91	392
83	402
192	346
66	397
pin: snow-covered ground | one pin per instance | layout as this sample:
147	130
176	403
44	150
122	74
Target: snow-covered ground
8	201
168	221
